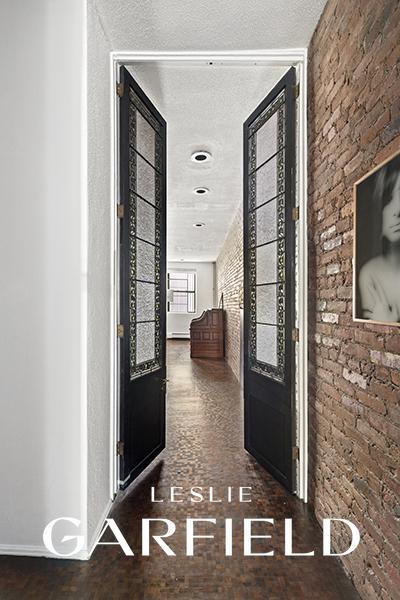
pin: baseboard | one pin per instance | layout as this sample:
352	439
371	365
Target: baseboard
178	336
93	541
36	551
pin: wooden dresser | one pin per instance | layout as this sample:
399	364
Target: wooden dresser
207	335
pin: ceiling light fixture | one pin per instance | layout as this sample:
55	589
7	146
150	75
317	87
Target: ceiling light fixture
201	156
198	224
201	190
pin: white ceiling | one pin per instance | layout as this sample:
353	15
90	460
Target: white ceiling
208	24
205	105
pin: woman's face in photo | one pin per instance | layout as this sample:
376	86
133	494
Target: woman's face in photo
391	215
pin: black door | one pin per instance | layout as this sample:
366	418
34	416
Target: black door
142	279
269	298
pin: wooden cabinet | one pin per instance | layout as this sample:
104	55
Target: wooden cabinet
207	335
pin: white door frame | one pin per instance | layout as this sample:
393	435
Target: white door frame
288	57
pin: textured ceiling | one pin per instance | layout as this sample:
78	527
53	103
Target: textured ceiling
205	106
208	24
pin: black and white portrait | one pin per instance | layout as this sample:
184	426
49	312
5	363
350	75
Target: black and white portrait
377	244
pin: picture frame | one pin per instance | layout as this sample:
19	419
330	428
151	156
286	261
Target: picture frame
376	244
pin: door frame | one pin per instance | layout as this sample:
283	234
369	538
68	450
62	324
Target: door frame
296	57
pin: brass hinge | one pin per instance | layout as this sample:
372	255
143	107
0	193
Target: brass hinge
120	211
295	213
120	331
295	334
295	453
120	448
120	89
296	90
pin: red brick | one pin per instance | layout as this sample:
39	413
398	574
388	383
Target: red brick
354	70
229	275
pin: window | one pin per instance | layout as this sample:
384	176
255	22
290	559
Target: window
181	292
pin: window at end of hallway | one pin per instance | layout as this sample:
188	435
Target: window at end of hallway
181	291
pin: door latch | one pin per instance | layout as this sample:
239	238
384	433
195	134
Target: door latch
164	384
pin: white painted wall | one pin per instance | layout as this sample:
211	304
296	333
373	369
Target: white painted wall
205	296
43	302
99	265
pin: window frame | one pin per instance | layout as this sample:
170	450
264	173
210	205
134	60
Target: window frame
187	292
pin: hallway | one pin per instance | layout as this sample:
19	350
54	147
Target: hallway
204	448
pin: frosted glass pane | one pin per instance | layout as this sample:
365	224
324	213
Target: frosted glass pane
145	179
179	302
145	138
267	344
267	139
145	301
266	263
266	181
144	261
191	277
144	342
191	303
266	223
145	220
266	304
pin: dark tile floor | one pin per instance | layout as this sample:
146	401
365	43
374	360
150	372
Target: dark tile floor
204	448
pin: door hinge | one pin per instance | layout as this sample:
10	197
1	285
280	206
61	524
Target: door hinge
120	330
296	90
295	453
295	213
120	211
120	89
295	334
120	448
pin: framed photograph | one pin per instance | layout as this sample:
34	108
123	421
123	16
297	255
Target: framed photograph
376	265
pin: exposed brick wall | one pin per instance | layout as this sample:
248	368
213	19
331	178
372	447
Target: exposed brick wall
354	124
229	275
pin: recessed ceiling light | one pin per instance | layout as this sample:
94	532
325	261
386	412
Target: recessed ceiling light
198	224
201	156
201	190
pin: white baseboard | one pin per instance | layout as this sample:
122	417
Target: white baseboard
177	335
37	551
